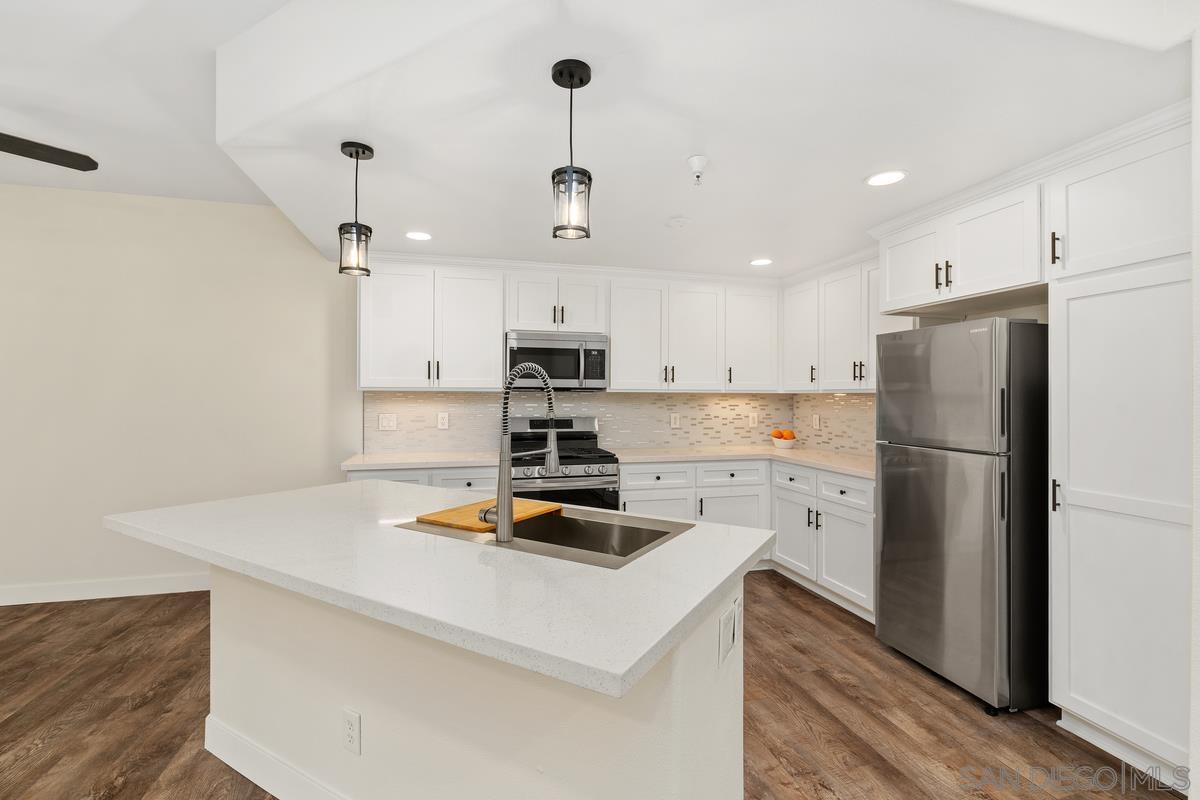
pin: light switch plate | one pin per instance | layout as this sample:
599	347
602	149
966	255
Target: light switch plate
753	419
387	422
443	420
675	421
816	421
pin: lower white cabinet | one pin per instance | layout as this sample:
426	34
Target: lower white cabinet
747	506
677	503
479	480
795	537
846	555
417	476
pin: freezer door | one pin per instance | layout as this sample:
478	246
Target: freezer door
940	549
944	386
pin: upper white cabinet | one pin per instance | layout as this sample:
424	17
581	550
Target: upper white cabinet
638	339
395	327
877	322
984	247
1129	206
426	328
751	338
541	301
800	331
695	339
843	334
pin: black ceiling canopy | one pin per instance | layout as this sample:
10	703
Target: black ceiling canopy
44	152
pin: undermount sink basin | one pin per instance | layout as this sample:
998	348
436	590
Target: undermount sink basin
584	535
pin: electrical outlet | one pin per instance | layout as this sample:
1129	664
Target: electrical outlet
753	419
352	731
387	422
816	422
675	421
728	630
443	420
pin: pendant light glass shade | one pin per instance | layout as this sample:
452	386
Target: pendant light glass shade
572	191
355	238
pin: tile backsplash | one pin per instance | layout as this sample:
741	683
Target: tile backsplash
847	422
626	420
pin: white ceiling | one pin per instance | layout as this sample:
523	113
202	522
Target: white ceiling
129	82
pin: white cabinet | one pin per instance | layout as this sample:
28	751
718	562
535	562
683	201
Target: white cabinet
677	503
800	334
542	301
846	555
638	339
425	328
747	506
695	338
984	247
469	329
794	516
878	323
395	327
658	476
1120	554
843	334
418	477
479	480
751	339
1129	206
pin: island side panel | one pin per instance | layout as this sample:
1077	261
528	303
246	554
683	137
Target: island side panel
440	721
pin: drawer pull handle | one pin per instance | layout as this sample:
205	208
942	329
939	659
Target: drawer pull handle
841	491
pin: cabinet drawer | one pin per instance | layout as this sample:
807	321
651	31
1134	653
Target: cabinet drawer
657	476
800	479
417	476
845	490
732	473
480	480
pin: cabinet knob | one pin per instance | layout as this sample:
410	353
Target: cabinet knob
658	477
468	484
790	479
731	475
841	491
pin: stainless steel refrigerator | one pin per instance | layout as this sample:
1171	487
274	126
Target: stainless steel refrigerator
961	519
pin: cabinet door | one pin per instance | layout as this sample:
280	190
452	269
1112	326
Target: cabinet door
747	507
911	263
676	503
801	333
470	329
395	328
843	334
1127	207
532	301
1120	411
846	560
638	338
696	338
582	304
993	244
878	323
751	339
795	535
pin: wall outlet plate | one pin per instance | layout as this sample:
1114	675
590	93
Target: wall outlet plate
753	419
387	422
443	420
352	731
728	632
675	423
816	422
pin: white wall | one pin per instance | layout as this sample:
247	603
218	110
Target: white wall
1194	732
152	352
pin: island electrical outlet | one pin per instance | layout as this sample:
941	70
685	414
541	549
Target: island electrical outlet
352	731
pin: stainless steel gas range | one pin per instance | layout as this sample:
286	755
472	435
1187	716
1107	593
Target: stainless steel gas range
587	476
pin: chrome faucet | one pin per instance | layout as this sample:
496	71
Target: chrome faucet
501	514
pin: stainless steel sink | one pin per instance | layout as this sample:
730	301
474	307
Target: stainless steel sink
584	535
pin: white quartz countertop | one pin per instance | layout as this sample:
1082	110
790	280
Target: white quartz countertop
598	628
859	466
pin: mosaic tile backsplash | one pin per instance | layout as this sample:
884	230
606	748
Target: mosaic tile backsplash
847	422
626	420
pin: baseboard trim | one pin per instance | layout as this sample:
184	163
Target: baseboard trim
62	591
822	592
1126	751
259	765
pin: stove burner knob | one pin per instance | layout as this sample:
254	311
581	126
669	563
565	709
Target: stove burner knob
602	469
566	470
587	470
527	471
541	471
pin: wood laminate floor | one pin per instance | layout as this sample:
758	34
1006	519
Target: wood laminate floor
105	699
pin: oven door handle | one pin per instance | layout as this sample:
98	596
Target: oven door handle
527	484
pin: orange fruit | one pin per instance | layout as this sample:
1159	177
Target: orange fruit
777	434
789	434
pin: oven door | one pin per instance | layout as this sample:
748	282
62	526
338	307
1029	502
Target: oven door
571	363
603	494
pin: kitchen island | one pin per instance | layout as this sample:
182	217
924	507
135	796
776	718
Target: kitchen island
355	659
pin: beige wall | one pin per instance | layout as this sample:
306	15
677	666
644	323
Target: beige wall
153	352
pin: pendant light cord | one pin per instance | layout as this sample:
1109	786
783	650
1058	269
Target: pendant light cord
356	191
571	127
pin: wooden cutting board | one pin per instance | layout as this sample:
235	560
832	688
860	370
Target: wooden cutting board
466	517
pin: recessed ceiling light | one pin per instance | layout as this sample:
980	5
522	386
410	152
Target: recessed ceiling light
761	262
418	236
887	178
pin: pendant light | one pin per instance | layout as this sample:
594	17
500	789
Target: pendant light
355	236
572	185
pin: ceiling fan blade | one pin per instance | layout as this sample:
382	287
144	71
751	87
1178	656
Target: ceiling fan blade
44	152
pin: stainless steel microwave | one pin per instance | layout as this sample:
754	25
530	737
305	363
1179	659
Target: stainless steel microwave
572	360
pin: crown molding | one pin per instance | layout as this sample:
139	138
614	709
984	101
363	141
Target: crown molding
1158	122
808	273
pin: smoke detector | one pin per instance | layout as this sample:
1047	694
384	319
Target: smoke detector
697	164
